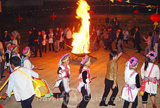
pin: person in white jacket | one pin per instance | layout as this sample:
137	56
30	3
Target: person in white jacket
21	85
63	80
149	67
132	84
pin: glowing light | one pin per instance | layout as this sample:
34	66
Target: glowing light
81	39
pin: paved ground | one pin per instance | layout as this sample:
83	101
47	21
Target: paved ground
49	62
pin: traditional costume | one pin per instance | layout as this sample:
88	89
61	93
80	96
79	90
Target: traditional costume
84	80
63	80
8	54
150	77
25	61
14	53
131	88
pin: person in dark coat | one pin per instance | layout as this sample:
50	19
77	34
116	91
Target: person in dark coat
6	37
137	39
31	41
38	44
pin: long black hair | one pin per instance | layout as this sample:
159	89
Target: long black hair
147	60
81	67
112	54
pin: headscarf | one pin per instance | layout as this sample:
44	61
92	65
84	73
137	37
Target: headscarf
133	62
14	48
8	43
64	58
152	55
86	60
26	50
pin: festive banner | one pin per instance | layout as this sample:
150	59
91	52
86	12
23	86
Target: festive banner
0	6
112	1
128	1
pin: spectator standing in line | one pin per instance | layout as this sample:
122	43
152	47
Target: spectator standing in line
44	41
57	38
6	37
31	39
69	37
62	38
50	40
16	35
38	44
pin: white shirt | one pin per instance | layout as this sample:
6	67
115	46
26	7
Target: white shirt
150	87
44	40
20	84
69	34
50	37
28	64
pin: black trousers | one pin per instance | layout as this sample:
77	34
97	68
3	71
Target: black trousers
145	97
108	86
51	45
27	103
38	47
85	99
134	104
138	47
44	48
159	53
63	95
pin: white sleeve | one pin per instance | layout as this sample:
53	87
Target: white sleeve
142	71
34	74
11	84
126	72
28	64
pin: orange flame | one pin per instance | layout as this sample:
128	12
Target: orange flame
81	41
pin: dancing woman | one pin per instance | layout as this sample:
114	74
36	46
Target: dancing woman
150	74
84	80
63	80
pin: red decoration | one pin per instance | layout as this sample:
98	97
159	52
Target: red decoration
155	17
143	4
154	7
53	16
91	12
136	12
120	1
19	18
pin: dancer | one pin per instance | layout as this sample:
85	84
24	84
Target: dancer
111	79
63	80
21	85
150	74
25	61
148	40
8	54
14	53
84	80
132	84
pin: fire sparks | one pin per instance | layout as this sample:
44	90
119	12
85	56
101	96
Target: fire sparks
81	39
